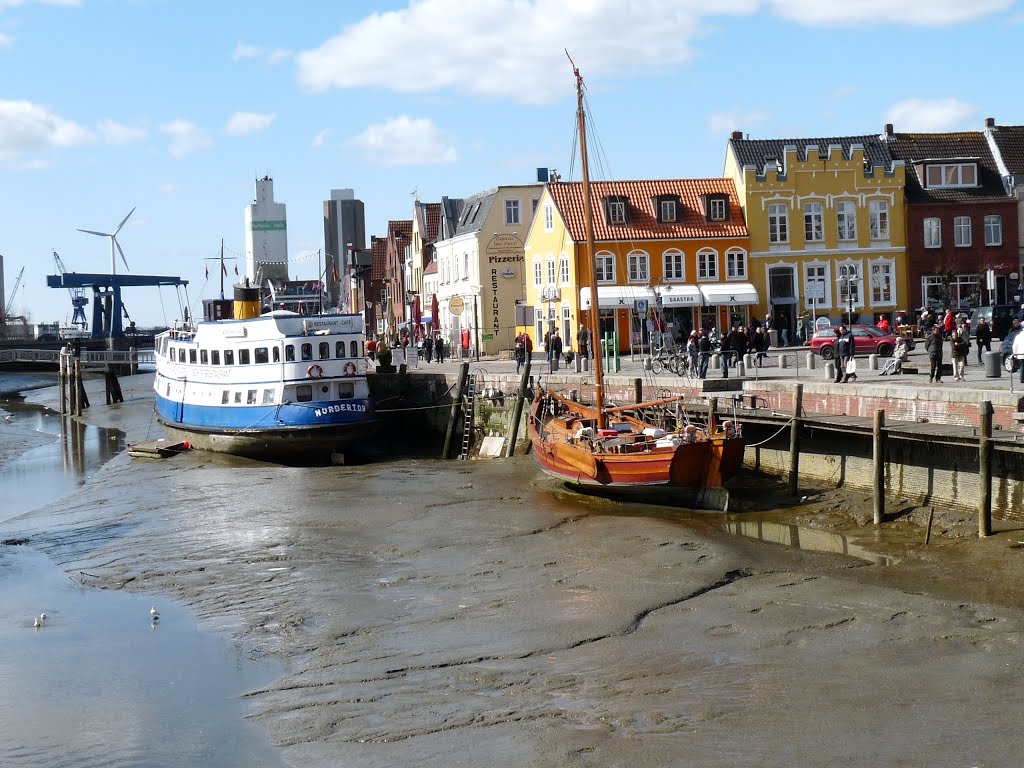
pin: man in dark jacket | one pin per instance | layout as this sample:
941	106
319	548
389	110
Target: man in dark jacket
555	348
844	354
738	344
983	335
703	354
933	345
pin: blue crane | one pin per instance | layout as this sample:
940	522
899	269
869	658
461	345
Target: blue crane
78	298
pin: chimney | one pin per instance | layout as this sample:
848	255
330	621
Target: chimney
990	122
888	129
737	135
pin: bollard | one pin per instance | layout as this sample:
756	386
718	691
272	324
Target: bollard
578	362
830	371
748	360
741	369
716	361
782	361
873	362
812	361
647	363
586	364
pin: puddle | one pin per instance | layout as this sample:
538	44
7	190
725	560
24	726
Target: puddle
99	684
808	539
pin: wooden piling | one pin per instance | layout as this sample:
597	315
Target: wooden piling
517	412
712	410
985	468
878	446
456	402
794	439
638	390
62	381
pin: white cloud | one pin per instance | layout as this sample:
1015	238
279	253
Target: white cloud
406	141
247	123
720	123
925	13
320	138
278	55
116	133
243	51
923	115
25	126
187	137
12	3
472	51
6	41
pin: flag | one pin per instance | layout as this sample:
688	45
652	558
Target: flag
236	269
224	268
337	278
207	271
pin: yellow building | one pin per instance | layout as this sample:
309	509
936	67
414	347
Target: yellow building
827	227
670	255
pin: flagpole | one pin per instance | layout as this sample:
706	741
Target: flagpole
319	288
222	269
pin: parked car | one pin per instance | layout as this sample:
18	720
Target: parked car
1000	318
1010	365
866	340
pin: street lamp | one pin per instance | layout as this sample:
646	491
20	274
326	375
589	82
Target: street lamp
851	281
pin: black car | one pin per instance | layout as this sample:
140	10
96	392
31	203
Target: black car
1006	349
999	317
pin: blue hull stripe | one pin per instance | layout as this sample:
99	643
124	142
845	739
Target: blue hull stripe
289	417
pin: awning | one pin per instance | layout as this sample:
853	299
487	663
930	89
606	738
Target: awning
617	296
729	293
680	296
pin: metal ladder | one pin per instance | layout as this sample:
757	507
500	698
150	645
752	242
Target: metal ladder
467	416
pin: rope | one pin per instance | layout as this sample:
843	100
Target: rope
758	445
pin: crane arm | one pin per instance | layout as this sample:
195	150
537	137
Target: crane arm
14	292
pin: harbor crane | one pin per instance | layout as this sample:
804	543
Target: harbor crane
14	292
78	298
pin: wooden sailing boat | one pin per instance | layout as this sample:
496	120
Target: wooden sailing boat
626	450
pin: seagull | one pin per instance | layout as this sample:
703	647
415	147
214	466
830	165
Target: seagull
153	611
37	623
42	617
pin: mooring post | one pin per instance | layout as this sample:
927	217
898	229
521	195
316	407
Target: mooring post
878	445
712	410
456	402
985	468
638	390
72	388
794	438
62	374
517	412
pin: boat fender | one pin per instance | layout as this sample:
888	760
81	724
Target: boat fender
315	372
350	369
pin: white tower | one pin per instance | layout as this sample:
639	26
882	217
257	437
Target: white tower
266	235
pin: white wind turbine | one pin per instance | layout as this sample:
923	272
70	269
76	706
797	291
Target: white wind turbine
113	242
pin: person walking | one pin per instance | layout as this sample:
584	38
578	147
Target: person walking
933	346
582	342
439	348
959	347
948	323
693	353
983	337
760	346
528	343
844	354
520	351
554	349
428	348
547	346
703	354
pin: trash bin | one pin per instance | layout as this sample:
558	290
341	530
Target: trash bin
993	365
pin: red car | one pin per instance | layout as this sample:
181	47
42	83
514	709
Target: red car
866	340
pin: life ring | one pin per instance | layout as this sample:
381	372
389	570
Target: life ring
315	372
350	369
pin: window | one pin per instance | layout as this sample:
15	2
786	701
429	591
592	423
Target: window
204	357
533	206
243	357
952	175
229	357
638	267
878	219
268	397
511	211
307	351
277	354
668	210
932	233
675	265
846	220
324	350
304	393
262	355
961	231
383	295
289	353
549	217
777	224
849	284
882	282
346	389
465	266
339	349
816	285
814	222
455	268
993	230
215	357
238	398
225	397
735	265
563	268
538	273
707	265
353	349
192	356
617	212
551	271
717	209
250	397
605	265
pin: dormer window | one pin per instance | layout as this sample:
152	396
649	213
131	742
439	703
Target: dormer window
616	209
667	209
716	207
951	175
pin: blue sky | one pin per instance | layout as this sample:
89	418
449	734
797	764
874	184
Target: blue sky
175	108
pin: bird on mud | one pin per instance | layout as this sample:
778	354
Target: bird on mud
36	623
154	614
42	617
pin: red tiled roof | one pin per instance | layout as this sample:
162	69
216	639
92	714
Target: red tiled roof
400	227
642	223
378	252
431	268
432	214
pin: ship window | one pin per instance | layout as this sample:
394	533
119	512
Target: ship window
304	393
277	354
346	389
325	389
215	357
268	397
339	349
229	357
192	356
204	357
243	357
353	348
250	397
307	351
238	397
325	350
225	397
262	355
289	353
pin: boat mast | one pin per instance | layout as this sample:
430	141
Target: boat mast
595	311
222	270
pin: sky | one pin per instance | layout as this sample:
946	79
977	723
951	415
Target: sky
174	108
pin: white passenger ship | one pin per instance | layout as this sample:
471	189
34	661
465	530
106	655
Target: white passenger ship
279	383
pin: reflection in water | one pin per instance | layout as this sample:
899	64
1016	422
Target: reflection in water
804	538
